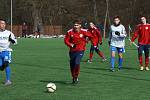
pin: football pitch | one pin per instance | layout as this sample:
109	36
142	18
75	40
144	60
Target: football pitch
36	62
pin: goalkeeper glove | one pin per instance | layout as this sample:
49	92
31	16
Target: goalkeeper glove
117	33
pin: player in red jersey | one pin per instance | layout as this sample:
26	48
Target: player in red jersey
142	32
76	40
95	40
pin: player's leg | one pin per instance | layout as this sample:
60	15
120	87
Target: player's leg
120	59
140	52
1	62
26	33
91	53
6	61
113	51
146	51
22	33
100	53
72	63
79	56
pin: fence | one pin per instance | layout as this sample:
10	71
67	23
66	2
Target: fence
47	30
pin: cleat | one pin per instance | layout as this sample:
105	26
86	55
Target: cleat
141	68
147	68
120	68
112	70
75	81
89	61
104	59
7	83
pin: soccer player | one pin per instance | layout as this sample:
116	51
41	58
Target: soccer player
95	40
24	29
5	52
142	32
117	42
75	39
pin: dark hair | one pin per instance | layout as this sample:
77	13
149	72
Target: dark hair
2	20
116	17
77	21
142	16
92	22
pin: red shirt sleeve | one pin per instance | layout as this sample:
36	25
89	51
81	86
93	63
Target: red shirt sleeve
67	40
99	35
136	33
88	34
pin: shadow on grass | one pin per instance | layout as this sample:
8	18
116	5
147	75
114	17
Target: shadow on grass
107	68
129	68
131	49
114	75
95	60
59	82
89	72
98	68
38	66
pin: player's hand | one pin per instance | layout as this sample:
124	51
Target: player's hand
73	46
131	43
109	43
100	43
117	33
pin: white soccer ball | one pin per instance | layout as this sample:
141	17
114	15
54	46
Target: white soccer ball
51	87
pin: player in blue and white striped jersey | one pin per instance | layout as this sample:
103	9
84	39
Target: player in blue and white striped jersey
117	42
6	37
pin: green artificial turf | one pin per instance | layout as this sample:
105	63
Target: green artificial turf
36	62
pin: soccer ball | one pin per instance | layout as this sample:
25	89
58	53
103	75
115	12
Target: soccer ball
51	87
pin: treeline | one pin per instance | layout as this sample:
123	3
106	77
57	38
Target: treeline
63	12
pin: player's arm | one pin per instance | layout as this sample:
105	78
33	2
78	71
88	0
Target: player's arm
12	38
67	40
110	36
88	37
123	32
135	35
88	34
99	36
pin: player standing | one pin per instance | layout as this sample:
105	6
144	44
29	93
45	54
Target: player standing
117	42
95	40
142	32
75	39
5	52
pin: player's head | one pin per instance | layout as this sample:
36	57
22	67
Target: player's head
116	20
92	24
2	24
24	23
143	20
77	25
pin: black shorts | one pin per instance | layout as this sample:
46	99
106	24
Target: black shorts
75	58
144	48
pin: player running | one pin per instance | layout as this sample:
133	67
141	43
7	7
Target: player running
117	42
142	32
95	40
75	39
5	52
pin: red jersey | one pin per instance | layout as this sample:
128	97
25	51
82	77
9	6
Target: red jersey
143	34
77	38
97	38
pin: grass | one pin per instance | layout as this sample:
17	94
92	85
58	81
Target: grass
37	62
